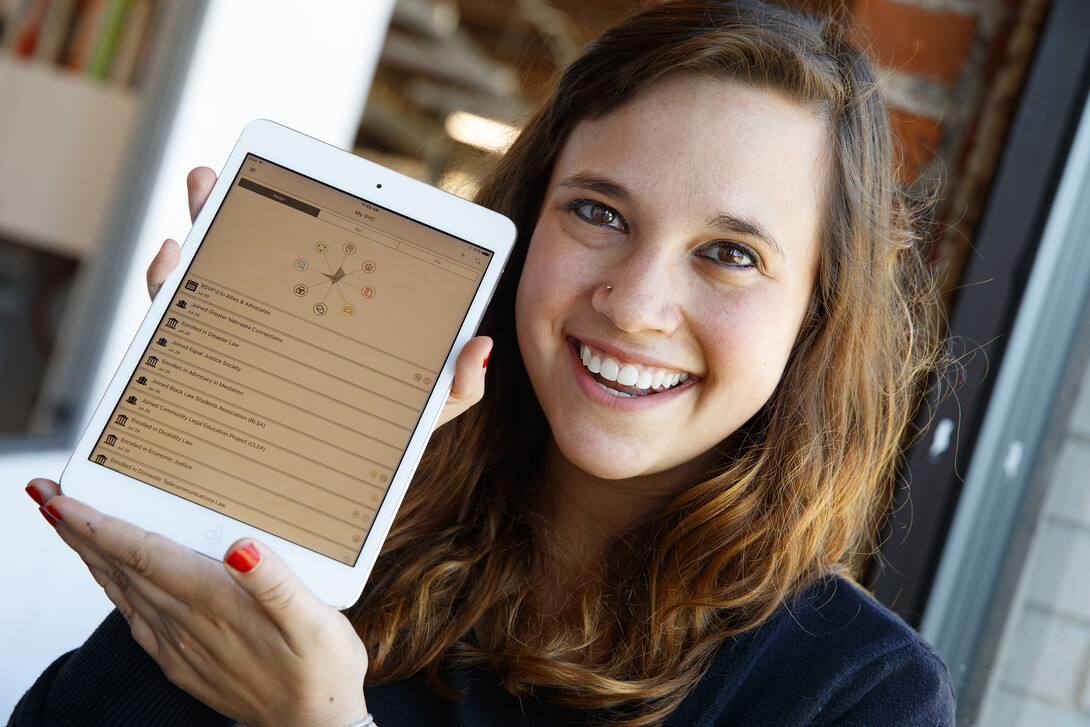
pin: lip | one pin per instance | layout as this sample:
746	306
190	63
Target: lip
595	392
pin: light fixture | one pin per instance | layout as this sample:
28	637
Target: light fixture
480	132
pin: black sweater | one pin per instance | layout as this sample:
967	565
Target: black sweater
836	657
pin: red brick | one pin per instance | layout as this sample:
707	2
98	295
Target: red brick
928	43
918	137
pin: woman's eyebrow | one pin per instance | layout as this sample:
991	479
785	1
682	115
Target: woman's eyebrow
598	184
742	226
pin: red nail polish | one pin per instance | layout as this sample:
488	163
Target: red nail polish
48	518
35	495
55	513
485	364
244	558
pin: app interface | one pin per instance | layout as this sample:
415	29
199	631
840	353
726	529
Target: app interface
284	381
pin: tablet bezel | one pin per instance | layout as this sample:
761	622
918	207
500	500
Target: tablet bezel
209	532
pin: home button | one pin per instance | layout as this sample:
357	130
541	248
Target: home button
209	534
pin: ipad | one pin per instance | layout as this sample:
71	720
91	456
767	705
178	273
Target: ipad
289	372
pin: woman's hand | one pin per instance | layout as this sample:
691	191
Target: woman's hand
468	387
245	636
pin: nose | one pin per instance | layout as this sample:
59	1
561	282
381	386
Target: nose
641	293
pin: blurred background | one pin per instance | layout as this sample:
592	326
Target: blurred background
106	104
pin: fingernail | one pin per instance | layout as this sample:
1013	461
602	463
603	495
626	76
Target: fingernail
35	495
48	518
488	356
244	558
55	513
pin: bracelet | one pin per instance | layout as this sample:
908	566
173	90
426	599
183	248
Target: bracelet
367	721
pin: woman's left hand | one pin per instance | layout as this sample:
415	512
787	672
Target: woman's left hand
245	637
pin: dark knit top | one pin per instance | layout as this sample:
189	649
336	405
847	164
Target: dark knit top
836	657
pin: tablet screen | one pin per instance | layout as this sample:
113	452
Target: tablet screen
283	383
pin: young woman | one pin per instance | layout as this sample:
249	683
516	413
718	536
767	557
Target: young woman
707	350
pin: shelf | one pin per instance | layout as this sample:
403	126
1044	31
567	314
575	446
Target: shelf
63	142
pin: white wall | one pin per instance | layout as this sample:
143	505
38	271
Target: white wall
306	65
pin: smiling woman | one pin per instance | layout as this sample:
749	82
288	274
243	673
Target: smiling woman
708	348
691	296
709	195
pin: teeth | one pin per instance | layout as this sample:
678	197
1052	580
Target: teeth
628	374
609	370
614	391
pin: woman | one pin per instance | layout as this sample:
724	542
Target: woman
708	348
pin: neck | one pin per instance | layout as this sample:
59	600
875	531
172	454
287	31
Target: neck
585	513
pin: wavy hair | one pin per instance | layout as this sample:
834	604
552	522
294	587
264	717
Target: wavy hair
799	489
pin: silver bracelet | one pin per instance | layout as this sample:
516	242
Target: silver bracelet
367	721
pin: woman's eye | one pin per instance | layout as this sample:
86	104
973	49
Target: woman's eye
599	214
731	254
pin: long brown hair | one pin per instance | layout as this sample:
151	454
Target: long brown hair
800	487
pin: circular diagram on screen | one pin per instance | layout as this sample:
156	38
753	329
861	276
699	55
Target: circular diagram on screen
331	279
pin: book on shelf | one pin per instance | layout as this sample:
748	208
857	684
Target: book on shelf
55	29
29	29
85	29
105	39
99	63
134	43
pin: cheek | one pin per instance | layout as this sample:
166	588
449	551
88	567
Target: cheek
528	298
539	289
753	342
551	277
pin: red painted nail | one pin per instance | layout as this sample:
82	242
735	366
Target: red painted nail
488	356
55	513
35	495
48	518
244	558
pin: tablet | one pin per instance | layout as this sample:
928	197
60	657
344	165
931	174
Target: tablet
289	372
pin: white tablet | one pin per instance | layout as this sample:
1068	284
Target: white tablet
288	375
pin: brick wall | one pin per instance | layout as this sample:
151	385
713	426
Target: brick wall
953	72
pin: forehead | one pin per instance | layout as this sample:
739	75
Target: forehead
702	146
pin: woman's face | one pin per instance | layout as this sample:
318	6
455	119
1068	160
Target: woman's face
698	203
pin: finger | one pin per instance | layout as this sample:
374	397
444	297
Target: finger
160	570
162	265
41	490
199	184
469	370
269	581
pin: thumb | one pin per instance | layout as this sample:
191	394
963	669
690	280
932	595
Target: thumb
267	579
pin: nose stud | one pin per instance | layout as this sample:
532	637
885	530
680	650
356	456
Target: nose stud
609	288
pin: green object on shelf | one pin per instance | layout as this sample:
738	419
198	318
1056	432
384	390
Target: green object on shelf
107	39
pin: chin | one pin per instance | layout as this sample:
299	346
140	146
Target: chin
623	463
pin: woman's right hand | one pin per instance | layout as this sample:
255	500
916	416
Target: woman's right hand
468	386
